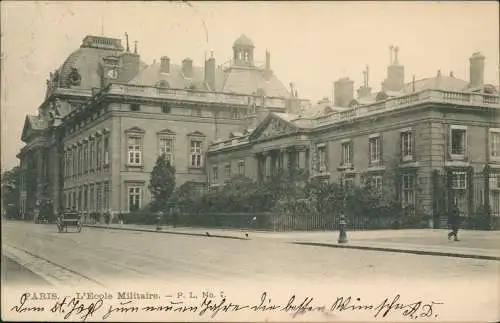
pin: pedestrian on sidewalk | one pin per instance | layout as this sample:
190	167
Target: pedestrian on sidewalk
454	222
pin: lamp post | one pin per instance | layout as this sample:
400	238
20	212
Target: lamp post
342	229
342	219
158	220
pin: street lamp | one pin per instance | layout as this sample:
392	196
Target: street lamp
342	219
158	220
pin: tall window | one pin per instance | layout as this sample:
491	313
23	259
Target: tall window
495	143
92	155
85	198
105	196
228	170
98	149
196	154
235	114
214	174
167	148
134	198
91	198
66	164
134	151
196	112
374	149
85	157
165	108
106	150
321	151
376	184
348	181
241	167
459	180
79	160
98	197
459	187
408	191
346	153
407	145
458	141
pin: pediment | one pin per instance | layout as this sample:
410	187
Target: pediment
273	126
31	126
135	130
196	134
166	132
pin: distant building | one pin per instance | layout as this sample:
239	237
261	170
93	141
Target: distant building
107	116
431	141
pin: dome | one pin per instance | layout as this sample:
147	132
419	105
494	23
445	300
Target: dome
243	41
81	69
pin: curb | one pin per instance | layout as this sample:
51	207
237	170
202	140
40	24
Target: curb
168	232
417	252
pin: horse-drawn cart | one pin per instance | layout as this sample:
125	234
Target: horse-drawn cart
69	219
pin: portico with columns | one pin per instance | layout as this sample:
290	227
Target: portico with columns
274	147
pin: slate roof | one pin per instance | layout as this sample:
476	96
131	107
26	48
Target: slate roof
240	80
322	108
442	82
151	76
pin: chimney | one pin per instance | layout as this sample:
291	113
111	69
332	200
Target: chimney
395	74
187	67
210	72
343	92
476	72
365	89
165	64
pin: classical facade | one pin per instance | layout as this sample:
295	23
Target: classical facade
431	141
107	116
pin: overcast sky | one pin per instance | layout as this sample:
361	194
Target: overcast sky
311	43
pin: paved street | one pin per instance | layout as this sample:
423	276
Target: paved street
108	258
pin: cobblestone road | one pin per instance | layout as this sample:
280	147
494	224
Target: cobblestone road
112	257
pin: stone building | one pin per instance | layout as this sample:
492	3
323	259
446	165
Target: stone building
430	142
107	116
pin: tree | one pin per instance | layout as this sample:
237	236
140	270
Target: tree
11	191
162	183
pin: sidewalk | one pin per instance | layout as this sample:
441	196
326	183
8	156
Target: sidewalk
472	244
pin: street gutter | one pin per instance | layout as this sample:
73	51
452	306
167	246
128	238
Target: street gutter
167	232
402	250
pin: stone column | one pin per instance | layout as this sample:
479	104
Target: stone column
39	173
268	165
285	155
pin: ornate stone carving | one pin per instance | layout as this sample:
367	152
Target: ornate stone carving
276	127
74	77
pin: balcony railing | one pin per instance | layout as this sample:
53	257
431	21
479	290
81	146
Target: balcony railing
194	95
438	96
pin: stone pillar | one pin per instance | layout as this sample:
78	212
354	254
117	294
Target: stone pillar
285	155
39	173
268	165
